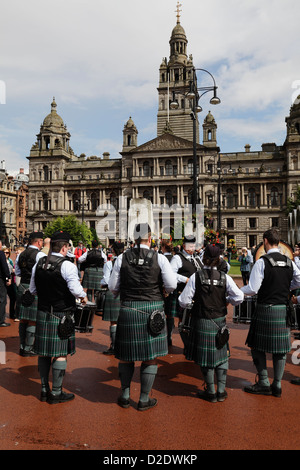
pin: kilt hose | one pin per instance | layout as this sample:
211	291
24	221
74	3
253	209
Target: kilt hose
47	341
111	308
201	343
26	313
268	330
134	342
92	277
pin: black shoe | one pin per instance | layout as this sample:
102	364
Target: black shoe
109	352
276	391
222	396
123	402
258	389
4	324
143	406
61	398
29	353
204	395
295	381
45	395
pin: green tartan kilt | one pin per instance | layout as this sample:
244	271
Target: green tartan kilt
47	341
92	277
26	313
268	330
201	343
134	342
111	307
173	304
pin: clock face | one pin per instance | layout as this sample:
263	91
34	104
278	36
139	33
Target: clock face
285	249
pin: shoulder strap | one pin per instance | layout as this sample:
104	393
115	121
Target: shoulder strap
205	280
133	258
279	264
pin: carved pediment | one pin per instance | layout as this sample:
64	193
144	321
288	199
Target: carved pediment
166	142
41	214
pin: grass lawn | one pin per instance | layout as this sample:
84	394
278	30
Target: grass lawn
234	267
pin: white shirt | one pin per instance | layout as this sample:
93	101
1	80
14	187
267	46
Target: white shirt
17	268
82	258
107	270
176	264
68	272
168	276
257	276
234	295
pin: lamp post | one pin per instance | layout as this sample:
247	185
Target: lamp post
220	180
194	97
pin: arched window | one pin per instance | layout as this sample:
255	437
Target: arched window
229	199
113	200
146	168
274	196
169	198
94	202
252	197
76	202
169	168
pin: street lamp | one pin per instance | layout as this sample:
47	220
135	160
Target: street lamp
220	180
194	97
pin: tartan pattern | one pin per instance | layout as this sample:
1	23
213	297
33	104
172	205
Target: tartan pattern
92	277
201	343
47	341
111	307
26	313
268	330
134	342
173	304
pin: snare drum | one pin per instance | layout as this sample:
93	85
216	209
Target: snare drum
84	316
100	301
244	311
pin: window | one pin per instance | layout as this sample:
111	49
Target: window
252	222
113	200
76	202
229	199
230	223
275	221
94	202
274	196
146	169
169	198
252	197
147	195
190	167
169	168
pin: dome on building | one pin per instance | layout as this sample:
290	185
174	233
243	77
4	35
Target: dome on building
209	118
53	119
21	177
178	31
130	124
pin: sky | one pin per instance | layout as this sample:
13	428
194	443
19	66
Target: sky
100	60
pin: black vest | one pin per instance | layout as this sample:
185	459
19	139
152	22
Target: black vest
210	294
94	259
26	262
278	274
140	276
52	289
187	269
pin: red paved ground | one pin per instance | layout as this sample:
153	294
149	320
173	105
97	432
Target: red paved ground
181	421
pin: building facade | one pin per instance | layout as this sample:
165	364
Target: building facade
247	190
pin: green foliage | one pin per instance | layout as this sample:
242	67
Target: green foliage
70	224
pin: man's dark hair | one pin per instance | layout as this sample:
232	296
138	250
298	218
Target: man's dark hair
272	235
57	246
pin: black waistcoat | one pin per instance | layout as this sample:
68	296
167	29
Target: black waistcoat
26	262
210	294
275	288
140	276
94	258
52	289
187	269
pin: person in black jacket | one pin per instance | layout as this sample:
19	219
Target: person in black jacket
5	280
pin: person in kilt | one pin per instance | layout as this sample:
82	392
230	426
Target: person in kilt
27	314
209	290
184	264
92	262
112	305
139	276
272	278
55	281
166	249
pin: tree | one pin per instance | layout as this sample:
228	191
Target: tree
70	224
